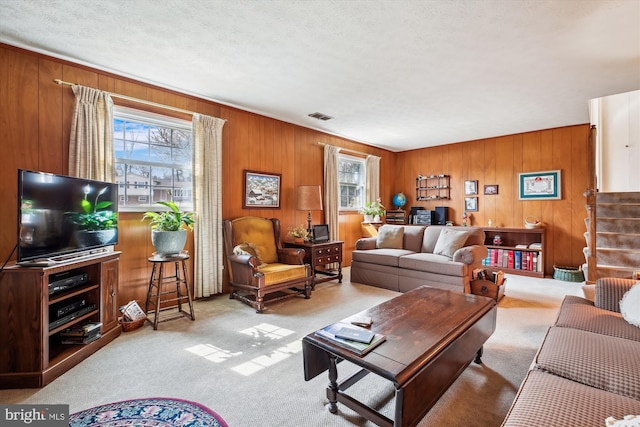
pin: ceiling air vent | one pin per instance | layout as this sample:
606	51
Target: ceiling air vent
320	116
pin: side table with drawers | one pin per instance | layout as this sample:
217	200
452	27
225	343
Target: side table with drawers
320	254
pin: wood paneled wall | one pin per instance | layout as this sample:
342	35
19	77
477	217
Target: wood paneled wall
498	161
35	118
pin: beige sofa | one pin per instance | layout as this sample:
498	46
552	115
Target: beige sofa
404	257
587	369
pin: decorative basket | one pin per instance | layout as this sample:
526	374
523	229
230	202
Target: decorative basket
568	274
532	222
131	325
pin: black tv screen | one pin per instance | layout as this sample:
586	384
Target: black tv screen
61	215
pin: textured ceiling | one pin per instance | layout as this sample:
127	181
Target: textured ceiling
394	74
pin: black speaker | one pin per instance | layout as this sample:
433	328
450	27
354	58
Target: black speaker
442	215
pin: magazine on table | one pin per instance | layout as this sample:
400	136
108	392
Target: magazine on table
359	348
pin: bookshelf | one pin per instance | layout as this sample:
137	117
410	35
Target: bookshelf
516	243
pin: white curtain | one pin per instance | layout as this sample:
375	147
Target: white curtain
91	152
373	178
331	196
207	171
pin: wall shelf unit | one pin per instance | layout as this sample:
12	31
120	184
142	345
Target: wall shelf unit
521	252
31	350
433	187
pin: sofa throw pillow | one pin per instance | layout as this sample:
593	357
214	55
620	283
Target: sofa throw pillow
450	241
629	305
245	248
390	237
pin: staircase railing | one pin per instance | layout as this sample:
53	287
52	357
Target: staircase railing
590	194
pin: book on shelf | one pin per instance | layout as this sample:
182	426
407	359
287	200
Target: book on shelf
359	348
81	340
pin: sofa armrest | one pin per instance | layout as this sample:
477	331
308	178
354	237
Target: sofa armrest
366	243
470	255
609	292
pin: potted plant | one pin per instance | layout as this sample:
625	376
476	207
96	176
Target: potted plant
97	225
299	233
371	210
169	228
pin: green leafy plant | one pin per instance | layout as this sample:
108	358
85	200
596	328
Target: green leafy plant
94	216
373	208
171	220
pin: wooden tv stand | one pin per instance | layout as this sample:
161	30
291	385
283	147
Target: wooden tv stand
31	352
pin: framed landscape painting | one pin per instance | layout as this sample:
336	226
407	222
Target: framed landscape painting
544	185
261	190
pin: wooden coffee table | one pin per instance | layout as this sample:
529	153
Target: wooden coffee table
432	335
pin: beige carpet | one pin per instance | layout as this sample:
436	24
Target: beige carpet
248	367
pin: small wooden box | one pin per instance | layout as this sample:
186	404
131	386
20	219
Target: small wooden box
487	288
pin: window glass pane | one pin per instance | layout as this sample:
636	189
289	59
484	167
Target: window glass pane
153	160
351	179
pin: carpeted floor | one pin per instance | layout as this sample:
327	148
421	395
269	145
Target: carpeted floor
248	367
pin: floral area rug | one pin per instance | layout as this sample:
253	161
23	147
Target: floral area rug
152	412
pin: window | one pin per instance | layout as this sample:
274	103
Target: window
351	179
153	159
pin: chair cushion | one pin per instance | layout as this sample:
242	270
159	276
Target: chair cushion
390	237
258	231
245	248
601	361
277	273
450	241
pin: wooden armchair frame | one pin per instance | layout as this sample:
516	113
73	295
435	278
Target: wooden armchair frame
248	283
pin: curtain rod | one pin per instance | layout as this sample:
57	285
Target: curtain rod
129	98
348	151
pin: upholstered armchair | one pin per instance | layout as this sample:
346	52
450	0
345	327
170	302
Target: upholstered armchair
260	269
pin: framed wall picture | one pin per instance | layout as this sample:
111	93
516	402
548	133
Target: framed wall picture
471	204
491	189
544	185
261	190
470	187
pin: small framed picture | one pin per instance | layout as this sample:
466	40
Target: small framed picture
470	187
471	204
491	189
261	190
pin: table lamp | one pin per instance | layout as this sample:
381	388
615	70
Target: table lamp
308	198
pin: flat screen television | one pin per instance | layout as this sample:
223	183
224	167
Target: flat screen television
61	216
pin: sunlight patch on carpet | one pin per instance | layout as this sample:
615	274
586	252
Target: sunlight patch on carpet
267	330
264	361
212	353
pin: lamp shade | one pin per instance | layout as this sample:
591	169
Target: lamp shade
308	198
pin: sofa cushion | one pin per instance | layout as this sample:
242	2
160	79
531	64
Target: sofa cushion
432	263
430	238
390	237
580	313
630	305
450	241
413	237
546	400
380	256
602	361
609	292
